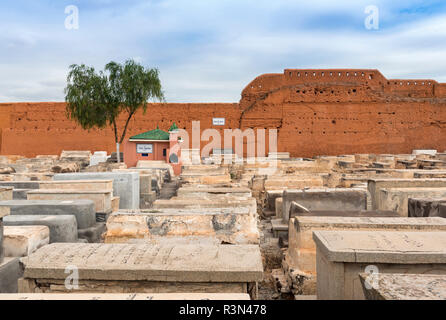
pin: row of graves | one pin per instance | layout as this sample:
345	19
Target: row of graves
113	231
356	227
347	227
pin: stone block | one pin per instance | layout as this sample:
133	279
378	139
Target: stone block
148	268
92	234
397	199
84	185
125	185
98	157
203	191
325	199
20	241
393	286
145	182
101	199
343	255
20	184
63	228
442	210
279	208
115	203
147	200
218	202
83	210
125	297
20	194
5	193
2	254
425	207
375	185
10	272
302	248
271	196
236	225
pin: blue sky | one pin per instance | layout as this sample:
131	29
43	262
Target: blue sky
208	50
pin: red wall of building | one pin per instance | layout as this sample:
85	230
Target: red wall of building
316	112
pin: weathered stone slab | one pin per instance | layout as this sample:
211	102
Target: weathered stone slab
442	210
301	232
20	184
325	199
126	268
430	174
224	203
294	182
197	191
271	196
123	296
429	152
403	286
63	228
425	207
155	165
92	234
20	194
98	157
236	225
341	213
83	210
2	254
20	241
342	255
10	272
84	185
5	193
101	199
279	208
125	185
301	255
397	199
375	185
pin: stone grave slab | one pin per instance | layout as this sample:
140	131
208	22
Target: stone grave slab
125	185
144	268
343	255
101	199
397	199
83	210
375	185
63	228
123	296
425	207
10	272
393	286
324	199
20	241
236	225
301	255
84	185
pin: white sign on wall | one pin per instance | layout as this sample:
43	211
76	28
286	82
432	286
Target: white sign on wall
144	148
218	121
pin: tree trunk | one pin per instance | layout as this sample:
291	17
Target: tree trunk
118	154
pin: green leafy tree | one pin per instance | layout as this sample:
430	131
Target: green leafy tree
97	99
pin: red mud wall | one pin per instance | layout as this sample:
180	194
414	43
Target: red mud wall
316	112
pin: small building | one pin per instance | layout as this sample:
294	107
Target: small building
155	145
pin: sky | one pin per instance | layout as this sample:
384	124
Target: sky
209	50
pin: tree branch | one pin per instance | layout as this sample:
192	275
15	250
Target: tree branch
126	125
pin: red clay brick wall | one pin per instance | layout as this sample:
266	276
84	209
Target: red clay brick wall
316	112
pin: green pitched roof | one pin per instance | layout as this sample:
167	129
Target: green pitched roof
157	135
173	127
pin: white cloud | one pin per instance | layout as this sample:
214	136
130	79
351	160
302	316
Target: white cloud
208	51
